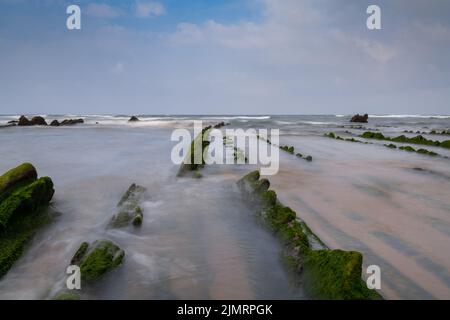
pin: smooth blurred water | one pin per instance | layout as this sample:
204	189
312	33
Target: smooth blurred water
199	240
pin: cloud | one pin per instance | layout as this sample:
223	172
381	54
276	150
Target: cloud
101	10
149	9
118	68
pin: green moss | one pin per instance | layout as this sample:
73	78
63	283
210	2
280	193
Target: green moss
25	200
407	148
373	135
391	146
330	274
289	149
427	152
308	158
269	198
419	139
129	209
67	296
334	136
16	177
22	211
336	275
15	238
137	220
198	149
101	257
80	253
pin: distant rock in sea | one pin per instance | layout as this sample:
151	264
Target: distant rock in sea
359	118
133	119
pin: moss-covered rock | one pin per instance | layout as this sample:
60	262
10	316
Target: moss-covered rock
22	211
328	274
197	151
336	275
129	208
289	149
67	296
21	175
97	259
25	200
419	139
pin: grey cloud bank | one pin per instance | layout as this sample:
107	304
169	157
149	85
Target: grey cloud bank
299	57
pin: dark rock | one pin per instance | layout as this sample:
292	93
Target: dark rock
220	125
55	123
13	122
38	121
359	118
23	121
133	119
69	122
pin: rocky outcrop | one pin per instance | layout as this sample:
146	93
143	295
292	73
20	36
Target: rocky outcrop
23	200
129	209
66	122
38	121
359	118
133	119
97	259
327	274
35	121
220	125
196	154
23	121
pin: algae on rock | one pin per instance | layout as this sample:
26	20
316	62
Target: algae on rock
23	200
129	208
327	274
195	159
97	259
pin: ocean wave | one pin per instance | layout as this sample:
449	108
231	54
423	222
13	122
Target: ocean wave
410	116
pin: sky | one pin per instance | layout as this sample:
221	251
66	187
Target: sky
225	57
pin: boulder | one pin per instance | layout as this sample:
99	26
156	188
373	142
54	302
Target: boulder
359	118
38	121
23	200
55	123
21	175
35	121
129	209
96	259
23	121
133	119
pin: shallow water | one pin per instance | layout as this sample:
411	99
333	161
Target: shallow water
199	240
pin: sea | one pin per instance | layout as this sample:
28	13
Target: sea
201	240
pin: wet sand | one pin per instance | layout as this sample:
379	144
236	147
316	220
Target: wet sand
369	198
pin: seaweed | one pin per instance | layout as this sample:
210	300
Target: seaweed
327	274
